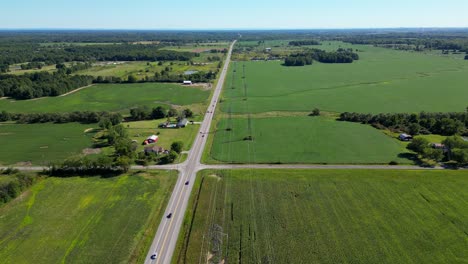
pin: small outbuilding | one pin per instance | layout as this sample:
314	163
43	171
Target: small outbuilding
405	137
187	82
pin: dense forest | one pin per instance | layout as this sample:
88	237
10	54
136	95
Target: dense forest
40	84
447	124
306	58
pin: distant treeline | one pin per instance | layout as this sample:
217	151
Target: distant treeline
306	58
447	43
40	84
85	117
447	124
9	190
303	43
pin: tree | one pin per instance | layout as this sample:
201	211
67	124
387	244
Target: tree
169	158
414	128
466	57
188	113
460	155
124	163
172	112
315	112
433	154
158	113
105	123
124	147
418	145
177	146
132	79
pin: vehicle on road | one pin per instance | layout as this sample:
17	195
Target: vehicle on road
169	216
154	256
187	182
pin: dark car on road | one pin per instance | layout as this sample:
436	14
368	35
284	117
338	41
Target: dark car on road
169	216
187	183
154	256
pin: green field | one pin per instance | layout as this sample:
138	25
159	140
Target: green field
326	216
42	143
303	140
111	97
84	220
383	80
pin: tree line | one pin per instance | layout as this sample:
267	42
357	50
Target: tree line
298	43
159	112
85	117
447	124
307	57
40	84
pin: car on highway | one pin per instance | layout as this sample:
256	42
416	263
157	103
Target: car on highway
169	216
154	256
187	183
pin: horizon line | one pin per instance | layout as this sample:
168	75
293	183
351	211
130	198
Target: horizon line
227	29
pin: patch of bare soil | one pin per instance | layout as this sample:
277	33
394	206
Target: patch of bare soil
91	151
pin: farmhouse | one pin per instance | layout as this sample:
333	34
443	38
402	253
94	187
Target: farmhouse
154	149
405	137
437	146
187	82
182	123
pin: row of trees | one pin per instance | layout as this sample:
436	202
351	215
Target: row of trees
40	84
9	190
85	117
303	43
447	124
306	58
145	113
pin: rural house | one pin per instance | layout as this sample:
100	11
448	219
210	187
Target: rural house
154	149
182	123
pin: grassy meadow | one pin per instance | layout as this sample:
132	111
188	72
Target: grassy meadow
383	80
84	220
112	97
40	144
326	216
303	140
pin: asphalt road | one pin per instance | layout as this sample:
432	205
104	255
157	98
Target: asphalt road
168	232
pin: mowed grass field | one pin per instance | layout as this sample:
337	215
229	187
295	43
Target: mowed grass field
40	144
112	97
303	140
141	130
85	220
326	216
383	80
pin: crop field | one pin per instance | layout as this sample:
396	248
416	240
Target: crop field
84	220
42	143
383	80
303	140
199	48
112	97
326	216
141	130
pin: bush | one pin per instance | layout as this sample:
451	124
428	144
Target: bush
177	146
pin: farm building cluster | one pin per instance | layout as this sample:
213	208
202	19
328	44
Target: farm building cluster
180	124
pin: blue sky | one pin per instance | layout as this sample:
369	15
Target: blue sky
237	14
